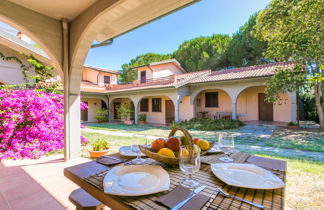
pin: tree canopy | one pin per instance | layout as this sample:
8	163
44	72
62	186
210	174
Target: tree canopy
293	30
244	49
206	52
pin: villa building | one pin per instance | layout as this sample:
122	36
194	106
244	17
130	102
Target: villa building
165	92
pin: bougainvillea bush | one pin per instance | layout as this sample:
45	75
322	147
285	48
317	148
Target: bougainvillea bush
31	123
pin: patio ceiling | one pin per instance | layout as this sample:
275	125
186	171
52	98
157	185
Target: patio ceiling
65	30
57	9
123	15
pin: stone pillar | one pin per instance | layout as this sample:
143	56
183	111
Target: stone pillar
72	116
72	126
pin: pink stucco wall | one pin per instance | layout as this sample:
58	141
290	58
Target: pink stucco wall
93	105
247	103
224	103
161	70
186	111
97	77
155	117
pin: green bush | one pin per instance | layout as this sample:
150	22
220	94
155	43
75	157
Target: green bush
207	124
99	145
292	124
308	102
124	111
102	115
142	117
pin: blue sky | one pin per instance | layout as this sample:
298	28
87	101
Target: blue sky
166	34
163	36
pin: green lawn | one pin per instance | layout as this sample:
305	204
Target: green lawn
305	178
307	140
305	183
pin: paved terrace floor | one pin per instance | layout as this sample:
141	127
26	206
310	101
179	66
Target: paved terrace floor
36	184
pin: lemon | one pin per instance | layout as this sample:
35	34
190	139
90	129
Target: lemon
185	152
203	144
166	152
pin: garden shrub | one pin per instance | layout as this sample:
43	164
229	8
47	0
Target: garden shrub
31	123
207	124
102	115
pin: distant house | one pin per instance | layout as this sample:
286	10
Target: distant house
165	92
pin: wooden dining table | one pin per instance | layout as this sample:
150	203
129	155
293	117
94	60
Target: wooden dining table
89	177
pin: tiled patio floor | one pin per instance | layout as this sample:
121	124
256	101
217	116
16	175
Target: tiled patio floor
36	184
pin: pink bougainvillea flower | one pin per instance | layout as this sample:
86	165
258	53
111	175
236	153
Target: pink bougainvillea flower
31	123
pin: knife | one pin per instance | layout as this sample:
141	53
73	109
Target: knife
191	195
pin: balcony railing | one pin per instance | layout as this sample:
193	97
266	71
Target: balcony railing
138	83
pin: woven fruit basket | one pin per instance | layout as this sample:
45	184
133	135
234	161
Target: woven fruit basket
149	152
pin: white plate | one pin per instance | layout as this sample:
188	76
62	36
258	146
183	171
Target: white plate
246	175
127	151
136	180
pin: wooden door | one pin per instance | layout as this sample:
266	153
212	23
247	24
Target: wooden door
169	111
265	108
116	104
84	113
143	76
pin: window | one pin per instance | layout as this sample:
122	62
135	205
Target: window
107	79
143	76
156	104
144	105
211	99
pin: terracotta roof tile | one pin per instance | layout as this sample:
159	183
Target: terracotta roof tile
102	70
87	86
243	72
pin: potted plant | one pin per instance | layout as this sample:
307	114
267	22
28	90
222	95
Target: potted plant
142	119
99	147
124	112
101	115
293	125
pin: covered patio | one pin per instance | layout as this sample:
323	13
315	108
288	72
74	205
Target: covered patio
66	30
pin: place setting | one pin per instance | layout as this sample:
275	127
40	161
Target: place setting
148	176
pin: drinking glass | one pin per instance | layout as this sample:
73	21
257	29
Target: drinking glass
135	148
189	163
226	144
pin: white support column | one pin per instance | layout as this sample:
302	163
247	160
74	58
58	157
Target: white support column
135	102
73	122
176	109
234	115
136	113
293	106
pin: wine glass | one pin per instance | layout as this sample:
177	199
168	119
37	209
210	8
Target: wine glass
226	144
135	149
189	163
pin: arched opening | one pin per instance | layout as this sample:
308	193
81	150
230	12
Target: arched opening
115	103
158	109
213	103
252	106
94	104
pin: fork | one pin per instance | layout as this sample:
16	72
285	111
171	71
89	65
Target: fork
237	198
